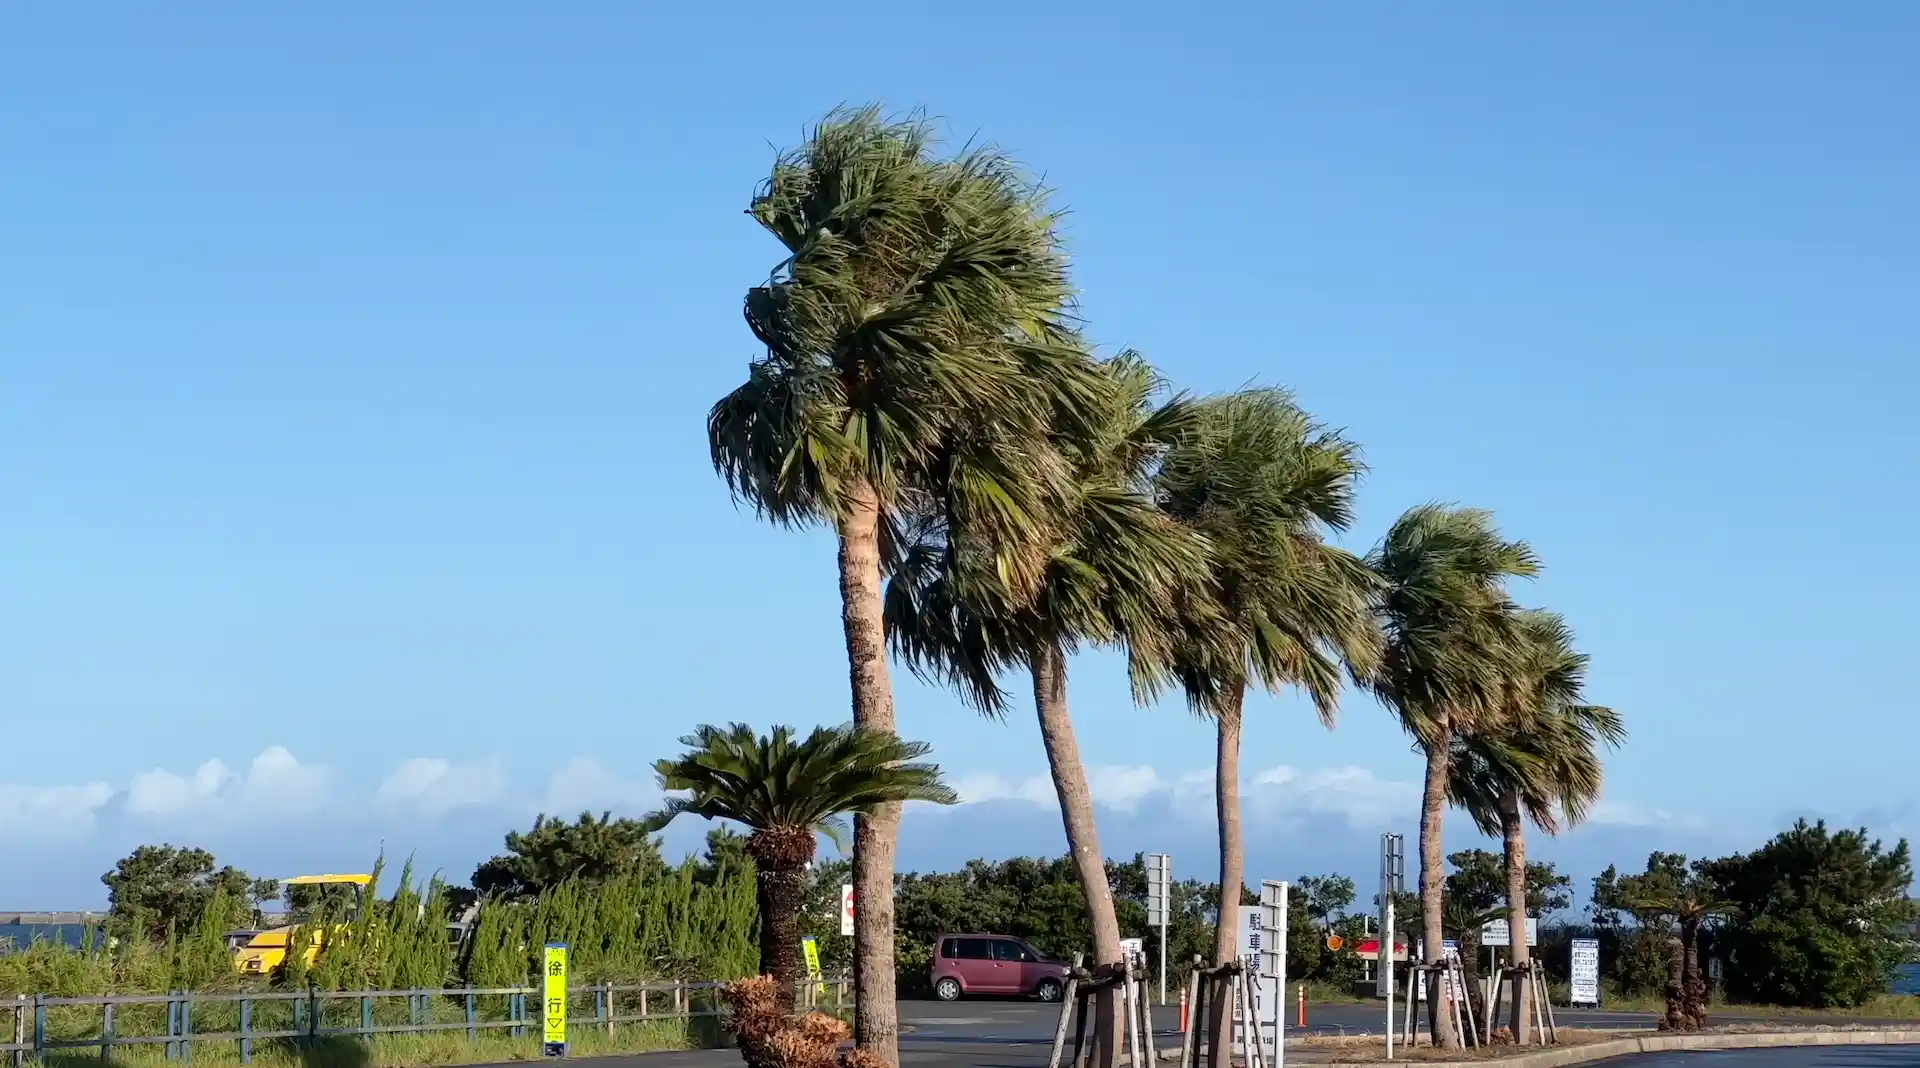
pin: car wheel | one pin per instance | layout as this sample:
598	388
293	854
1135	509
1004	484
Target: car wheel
947	989
1048	990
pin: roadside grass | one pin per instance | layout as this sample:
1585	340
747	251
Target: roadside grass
1884	1007
1362	1049
402	1050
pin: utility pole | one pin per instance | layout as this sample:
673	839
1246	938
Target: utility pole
1160	906
1393	875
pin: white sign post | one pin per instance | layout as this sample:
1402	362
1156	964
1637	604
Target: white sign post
1263	949
1584	971
846	909
1496	933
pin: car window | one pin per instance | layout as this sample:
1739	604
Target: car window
973	949
950	948
1013	951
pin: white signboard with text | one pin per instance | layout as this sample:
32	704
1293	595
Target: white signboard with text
1261	943
1584	971
846	909
1495	933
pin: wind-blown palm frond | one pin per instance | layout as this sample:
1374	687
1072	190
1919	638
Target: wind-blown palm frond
1544	745
1114	564
922	299
1451	630
1262	483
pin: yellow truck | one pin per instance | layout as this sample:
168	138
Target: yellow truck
266	950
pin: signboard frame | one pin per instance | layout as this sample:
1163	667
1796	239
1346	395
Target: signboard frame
1494	933
553	1001
1583	971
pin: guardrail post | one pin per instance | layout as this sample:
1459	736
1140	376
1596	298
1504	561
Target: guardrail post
246	1031
611	1012
643	1002
313	1016
173	1026
416	1007
106	1030
366	1015
680	1000
19	1029
473	1031
39	1025
299	1018
513	1014
186	1027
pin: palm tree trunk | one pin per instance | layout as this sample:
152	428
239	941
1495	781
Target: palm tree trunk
1226	933
1083	840
1514	833
876	1022
1676	1017
781	893
1433	811
1693	984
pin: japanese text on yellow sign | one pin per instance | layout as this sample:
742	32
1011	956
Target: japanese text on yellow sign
812	949
554	997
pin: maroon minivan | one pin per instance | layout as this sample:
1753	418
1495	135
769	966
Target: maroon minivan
994	964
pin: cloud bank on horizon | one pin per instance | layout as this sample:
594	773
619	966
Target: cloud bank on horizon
278	816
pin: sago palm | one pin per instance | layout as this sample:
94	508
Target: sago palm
1450	658
1115	564
786	790
916	343
1263	484
1537	760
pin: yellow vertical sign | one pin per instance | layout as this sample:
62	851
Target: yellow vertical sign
812	949
553	1001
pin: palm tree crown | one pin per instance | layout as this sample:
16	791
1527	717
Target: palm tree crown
777	783
787	790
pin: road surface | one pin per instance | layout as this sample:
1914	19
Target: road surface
1019	1034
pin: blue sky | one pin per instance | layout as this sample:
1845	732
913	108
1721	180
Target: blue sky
353	364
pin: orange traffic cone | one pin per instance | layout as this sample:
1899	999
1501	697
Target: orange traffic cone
1183	1012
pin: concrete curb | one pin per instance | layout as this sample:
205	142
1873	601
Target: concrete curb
1658	1043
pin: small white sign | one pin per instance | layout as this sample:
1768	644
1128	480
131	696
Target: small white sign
1135	950
1495	933
1584	971
846	909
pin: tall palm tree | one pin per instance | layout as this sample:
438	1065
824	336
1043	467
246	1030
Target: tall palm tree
1451	639
916	341
1115	564
1539	761
1263	484
786	791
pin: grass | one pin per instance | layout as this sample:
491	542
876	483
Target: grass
398	1051
1884	1007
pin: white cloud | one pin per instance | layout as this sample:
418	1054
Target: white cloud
584	784
275	782
1350	793
436	786
53	810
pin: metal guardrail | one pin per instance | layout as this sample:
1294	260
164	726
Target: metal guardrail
306	1018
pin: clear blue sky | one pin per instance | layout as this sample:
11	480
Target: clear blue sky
353	363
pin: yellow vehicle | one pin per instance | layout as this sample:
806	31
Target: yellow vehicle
267	950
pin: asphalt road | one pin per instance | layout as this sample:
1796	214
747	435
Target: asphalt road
1019	1034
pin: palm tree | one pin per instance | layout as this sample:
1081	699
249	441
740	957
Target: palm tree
1688	898
1263	484
916	340
1117	562
786	791
1449	658
1539	760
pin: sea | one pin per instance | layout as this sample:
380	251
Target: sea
15	936
1906	980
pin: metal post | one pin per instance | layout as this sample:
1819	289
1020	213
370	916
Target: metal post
106	1031
186	1027
472	1017
313	1016
19	1029
39	1025
246	1031
366	1014
1386	939
173	1026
